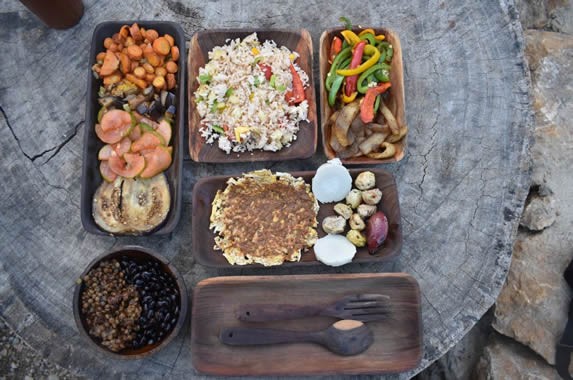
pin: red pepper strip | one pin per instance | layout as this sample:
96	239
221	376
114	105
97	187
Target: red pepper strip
356	60
267	70
296	95
367	105
335	48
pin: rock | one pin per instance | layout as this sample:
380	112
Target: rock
539	214
561	18
532	13
503	359
460	361
532	306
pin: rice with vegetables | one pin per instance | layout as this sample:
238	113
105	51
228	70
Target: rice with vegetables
251	96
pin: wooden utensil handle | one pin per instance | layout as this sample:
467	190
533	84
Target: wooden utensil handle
250	336
267	312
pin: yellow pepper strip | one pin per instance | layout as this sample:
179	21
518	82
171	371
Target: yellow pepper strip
255	51
369	30
350	37
349	99
380	37
374	56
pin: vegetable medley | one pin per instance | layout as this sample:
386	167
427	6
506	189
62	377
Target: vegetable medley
357	85
138	71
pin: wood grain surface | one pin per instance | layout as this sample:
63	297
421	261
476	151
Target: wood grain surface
395	100
397	340
307	137
203	238
462	183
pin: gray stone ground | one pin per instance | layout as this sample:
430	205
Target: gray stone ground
501	351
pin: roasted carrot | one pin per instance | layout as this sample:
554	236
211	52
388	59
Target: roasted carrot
161	46
125	63
135	52
110	63
175	53
151	35
171	67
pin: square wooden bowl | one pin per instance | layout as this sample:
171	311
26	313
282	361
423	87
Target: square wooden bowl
395	100
295	40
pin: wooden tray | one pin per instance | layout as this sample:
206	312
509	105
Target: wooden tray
397	341
203	238
307	137
395	102
91	177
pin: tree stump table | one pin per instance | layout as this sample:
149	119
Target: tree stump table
462	184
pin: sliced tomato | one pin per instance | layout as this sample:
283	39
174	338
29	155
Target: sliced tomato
128	166
148	140
135	133
156	161
164	129
107	174
105	152
115	119
109	137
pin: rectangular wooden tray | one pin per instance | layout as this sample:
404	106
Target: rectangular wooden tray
91	177
203	238
307	137
395	102
397	343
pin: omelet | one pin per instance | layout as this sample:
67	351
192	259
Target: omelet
265	218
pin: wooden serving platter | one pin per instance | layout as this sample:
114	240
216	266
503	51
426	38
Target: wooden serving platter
397	340
307	137
395	101
203	238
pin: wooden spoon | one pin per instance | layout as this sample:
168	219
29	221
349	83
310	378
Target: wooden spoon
346	337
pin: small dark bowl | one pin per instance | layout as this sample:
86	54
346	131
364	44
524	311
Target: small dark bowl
91	177
139	254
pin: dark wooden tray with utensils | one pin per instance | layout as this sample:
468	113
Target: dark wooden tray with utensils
397	338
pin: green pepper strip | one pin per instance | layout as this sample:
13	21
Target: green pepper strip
336	84
344	53
382	55
370	38
362	88
382	75
345	44
345	63
377	104
390	54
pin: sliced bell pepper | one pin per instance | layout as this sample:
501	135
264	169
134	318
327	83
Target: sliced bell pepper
334	89
369	37
356	59
367	105
349	99
344	53
362	86
369	30
377	104
374	55
296	95
350	37
266	69
335	47
380	37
